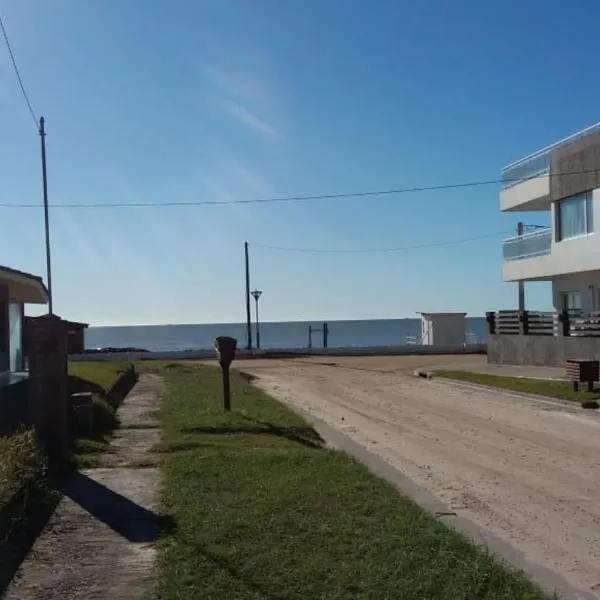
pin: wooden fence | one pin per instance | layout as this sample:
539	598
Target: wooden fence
533	322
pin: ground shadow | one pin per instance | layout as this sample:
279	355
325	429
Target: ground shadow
230	568
130	520
20	534
77	385
306	436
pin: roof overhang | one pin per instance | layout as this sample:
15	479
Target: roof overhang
23	287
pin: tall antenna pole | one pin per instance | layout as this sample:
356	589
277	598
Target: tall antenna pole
46	217
248	313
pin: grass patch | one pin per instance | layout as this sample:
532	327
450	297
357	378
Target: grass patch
553	389
102	374
263	509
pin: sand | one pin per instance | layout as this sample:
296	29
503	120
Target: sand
525	469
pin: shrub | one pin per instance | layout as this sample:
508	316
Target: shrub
21	462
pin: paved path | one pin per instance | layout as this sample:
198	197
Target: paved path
99	543
524	469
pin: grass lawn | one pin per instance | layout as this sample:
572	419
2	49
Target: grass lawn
553	389
101	373
263	510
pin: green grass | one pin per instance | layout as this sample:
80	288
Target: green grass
553	389
101	373
263	509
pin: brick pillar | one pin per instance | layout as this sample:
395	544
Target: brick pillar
48	384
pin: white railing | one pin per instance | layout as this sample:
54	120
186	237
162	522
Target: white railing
536	243
538	163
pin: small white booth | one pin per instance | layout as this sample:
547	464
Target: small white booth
443	328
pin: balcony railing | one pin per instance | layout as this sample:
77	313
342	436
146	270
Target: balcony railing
538	163
536	243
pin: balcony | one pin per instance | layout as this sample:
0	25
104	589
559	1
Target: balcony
526	182
536	243
538	163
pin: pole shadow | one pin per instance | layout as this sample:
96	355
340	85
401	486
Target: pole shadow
130	520
306	436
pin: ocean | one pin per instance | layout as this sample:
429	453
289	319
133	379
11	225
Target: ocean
292	334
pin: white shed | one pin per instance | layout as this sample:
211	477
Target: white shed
443	328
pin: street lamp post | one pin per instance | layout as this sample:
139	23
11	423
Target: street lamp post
256	294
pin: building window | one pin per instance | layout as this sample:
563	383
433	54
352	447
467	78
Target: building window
574	216
571	301
15	324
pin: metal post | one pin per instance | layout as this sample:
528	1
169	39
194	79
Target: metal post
256	294
325	334
310	336
257	327
46	216
226	388
248	316
521	284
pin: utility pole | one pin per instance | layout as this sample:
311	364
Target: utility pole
248	314
46	217
521	284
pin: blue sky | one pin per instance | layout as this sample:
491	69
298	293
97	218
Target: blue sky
237	99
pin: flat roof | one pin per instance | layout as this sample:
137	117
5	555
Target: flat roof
23	287
437	314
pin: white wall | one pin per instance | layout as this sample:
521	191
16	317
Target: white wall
443	329
588	284
532	194
567	256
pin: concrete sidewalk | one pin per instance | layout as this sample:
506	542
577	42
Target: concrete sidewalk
100	541
528	371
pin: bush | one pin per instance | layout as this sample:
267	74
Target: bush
589	404
21	463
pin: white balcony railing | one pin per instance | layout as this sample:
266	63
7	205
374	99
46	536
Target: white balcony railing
536	243
538	163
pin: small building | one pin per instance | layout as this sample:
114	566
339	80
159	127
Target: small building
446	329
75	336
16	289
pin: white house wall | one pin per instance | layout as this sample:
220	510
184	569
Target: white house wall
588	284
531	194
573	255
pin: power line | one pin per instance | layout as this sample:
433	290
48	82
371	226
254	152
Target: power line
373	250
18	74
287	199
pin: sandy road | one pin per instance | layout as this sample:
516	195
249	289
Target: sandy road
527	470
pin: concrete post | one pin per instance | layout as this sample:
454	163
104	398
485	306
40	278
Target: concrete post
48	385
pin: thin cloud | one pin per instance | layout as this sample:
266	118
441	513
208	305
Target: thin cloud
238	84
243	115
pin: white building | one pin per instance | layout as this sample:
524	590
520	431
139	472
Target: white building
564	181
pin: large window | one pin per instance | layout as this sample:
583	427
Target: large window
15	324
574	216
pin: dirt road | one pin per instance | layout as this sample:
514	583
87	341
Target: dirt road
527	470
